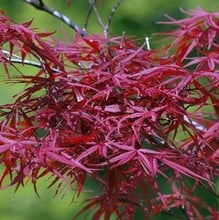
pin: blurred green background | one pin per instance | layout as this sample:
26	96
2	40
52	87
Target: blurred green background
136	18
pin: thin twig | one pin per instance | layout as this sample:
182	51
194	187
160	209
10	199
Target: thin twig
109	20
13	58
195	124
98	17
39	4
147	42
89	14
106	26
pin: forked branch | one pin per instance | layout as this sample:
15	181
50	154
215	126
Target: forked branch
96	11
40	5
106	26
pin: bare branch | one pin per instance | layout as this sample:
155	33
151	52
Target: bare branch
106	26
39	4
195	124
98	17
147	42
13	58
109	20
89	14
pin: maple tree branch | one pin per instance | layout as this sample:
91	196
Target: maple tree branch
98	17
13	58
39	4
109	20
195	124
106	26
89	14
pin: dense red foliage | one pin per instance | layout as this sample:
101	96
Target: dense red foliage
129	118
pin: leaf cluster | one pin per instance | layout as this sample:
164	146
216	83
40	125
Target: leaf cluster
124	116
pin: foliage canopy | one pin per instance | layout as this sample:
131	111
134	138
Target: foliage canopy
106	109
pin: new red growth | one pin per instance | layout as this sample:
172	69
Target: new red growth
129	118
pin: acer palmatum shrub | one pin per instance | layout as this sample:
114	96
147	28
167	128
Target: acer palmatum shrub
129	118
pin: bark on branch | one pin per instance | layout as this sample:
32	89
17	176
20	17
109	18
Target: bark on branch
39	4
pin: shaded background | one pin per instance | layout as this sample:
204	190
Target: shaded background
136	18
